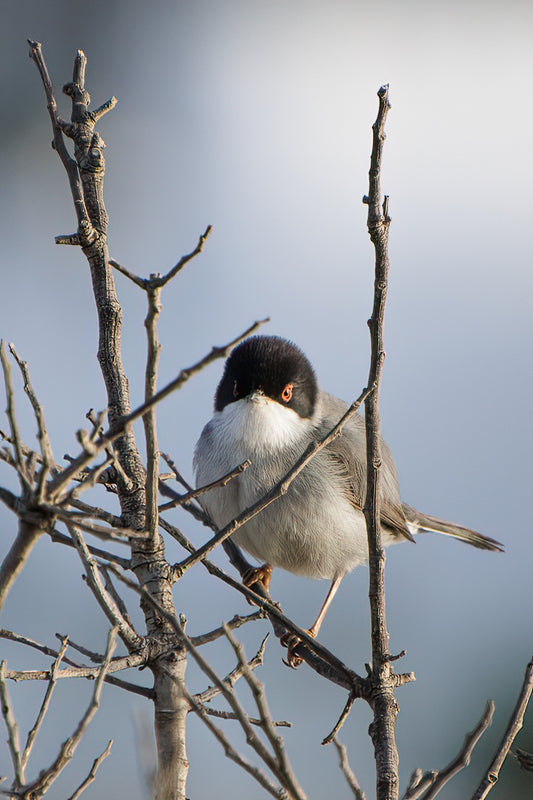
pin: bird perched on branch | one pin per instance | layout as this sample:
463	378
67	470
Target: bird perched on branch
269	409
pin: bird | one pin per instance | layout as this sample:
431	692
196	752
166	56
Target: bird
268	409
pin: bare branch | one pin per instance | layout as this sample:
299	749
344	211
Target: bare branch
432	782
110	588
185	259
149	419
120	535
192	494
92	774
316	655
284	770
117	665
331	737
216	712
66	752
17	555
229	750
99	513
117	428
79	670
86	233
233	624
383	701
156	281
515	724
42	434
45	704
140	282
346	770
60	538
273	763
12	728
128	635
11	415
232	677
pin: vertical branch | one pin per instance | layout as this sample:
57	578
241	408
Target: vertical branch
149	419
13	425
382	697
86	177
12	729
42	434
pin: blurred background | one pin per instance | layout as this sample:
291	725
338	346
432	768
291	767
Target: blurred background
256	118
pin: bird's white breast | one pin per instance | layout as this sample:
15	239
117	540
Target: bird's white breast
312	530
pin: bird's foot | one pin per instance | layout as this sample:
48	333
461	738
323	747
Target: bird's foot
291	642
254	575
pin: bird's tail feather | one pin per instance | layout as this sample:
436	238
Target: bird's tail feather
422	523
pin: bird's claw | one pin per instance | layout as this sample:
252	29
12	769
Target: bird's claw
291	642
254	575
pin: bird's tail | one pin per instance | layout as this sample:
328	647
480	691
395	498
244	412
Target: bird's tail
422	523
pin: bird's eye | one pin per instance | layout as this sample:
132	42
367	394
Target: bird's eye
235	389
286	394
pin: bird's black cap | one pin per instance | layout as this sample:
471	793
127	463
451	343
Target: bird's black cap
270	364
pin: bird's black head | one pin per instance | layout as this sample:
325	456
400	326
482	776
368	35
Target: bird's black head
274	366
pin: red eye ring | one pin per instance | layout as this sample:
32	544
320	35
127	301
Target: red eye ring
235	389
286	394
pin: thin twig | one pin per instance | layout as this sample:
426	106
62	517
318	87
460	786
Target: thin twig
13	425
432	782
185	259
192	494
85	226
67	749
46	702
121	605
29	530
128	635
229	750
331	737
61	538
216	712
346	770
120	535
232	677
316	655
115	430
117	665
515	724
285	772
79	670
99	513
251	738
155	280
42	434
233	624
12	728
92	773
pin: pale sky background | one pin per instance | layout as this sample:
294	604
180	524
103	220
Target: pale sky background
256	118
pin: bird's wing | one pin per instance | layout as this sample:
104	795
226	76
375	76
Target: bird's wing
348	455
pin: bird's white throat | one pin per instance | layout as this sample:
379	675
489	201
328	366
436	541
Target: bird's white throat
258	424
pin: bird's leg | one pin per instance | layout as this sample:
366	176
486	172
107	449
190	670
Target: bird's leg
291	640
261	574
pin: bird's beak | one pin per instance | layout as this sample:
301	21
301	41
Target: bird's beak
257	396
